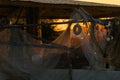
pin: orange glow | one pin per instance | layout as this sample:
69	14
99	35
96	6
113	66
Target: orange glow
62	27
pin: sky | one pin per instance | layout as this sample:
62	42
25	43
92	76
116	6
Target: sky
115	2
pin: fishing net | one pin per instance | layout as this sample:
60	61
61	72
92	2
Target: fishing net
112	49
22	56
91	38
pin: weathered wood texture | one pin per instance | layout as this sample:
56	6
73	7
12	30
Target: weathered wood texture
50	10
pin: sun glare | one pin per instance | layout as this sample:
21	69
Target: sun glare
62	27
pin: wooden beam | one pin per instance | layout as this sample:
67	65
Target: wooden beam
58	10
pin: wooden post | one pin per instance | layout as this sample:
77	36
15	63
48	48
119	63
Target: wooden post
32	18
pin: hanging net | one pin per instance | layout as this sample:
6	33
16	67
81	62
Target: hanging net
22	56
90	38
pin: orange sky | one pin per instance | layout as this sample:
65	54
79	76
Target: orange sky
115	2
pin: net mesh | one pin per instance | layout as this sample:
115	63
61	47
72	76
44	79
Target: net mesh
91	40
22	56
